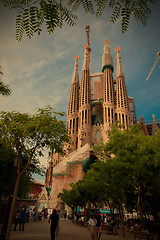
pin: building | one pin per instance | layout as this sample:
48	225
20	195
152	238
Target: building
35	189
96	103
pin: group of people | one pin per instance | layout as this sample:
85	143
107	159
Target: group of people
21	218
94	222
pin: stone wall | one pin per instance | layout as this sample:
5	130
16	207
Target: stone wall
67	171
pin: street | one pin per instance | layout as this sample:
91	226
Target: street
68	231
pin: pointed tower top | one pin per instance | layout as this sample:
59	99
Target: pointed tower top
119	71
76	57
86	46
85	62
155	127
75	77
117	49
153	117
106	42
107	60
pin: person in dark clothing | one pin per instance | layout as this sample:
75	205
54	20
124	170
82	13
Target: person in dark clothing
54	218
98	226
17	220
22	219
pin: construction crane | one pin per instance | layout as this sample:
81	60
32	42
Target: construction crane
158	56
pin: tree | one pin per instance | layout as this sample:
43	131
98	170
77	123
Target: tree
8	168
74	197
135	163
36	12
31	134
4	89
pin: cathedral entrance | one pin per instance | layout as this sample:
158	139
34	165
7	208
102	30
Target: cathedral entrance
97	114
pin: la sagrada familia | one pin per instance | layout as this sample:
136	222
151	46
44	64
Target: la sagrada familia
96	103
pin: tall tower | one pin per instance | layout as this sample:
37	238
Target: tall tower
84	135
73	108
89	49
108	90
122	102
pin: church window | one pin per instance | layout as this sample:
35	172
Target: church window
109	114
123	120
85	116
116	118
112	114
73	124
77	124
82	117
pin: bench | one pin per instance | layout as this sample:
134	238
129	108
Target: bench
142	235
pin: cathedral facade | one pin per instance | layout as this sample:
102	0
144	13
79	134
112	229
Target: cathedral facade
96	103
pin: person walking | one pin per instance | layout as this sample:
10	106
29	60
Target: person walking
54	219
98	226
22	219
92	225
17	220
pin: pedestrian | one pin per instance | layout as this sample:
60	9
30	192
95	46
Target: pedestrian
98	226
17	220
22	219
65	216
92	225
54	218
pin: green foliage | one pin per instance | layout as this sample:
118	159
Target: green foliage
4	89
28	135
8	172
123	9
128	169
74	196
87	5
24	186
34	13
134	160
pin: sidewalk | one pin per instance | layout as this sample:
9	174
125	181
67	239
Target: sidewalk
68	231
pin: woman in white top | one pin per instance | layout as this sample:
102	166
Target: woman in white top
92	225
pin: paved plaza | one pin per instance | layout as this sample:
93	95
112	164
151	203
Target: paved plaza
68	231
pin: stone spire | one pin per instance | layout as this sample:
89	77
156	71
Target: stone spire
75	77
73	108
85	62
108	90
85	80
107	60
122	101
107	63
84	105
155	127
144	126
119	70
89	48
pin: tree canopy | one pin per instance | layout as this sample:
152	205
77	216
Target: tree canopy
127	173
33	13
28	136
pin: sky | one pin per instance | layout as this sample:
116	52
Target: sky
39	70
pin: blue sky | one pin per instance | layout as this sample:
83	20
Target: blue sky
39	70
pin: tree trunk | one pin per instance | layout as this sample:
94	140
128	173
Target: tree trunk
139	207
12	207
122	219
